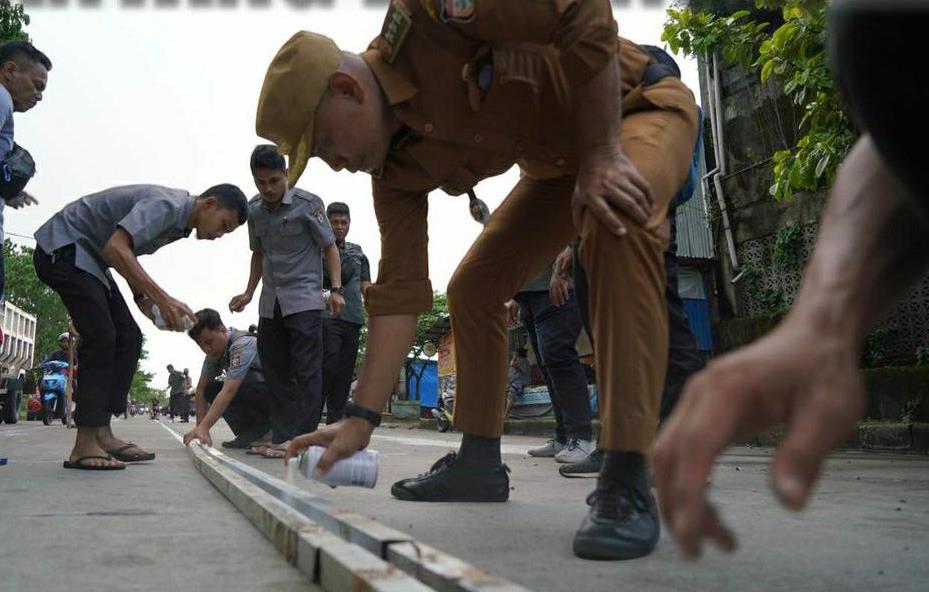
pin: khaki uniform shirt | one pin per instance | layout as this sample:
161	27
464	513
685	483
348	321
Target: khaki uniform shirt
463	130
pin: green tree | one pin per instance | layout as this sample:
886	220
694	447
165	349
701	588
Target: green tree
13	18
793	55
26	290
423	323
141	390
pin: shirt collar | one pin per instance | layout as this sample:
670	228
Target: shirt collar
183	216
396	87
285	201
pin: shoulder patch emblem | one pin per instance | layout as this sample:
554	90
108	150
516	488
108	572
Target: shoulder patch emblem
397	24
234	359
458	11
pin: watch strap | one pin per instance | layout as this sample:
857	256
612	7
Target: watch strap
355	410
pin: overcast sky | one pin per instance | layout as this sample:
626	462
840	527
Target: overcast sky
168	96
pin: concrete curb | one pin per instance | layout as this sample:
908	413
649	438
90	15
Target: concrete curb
335	547
895	437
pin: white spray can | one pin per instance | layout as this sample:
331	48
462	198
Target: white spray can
358	470
162	324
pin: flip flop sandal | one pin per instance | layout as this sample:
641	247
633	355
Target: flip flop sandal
274	452
83	466
121	455
256	450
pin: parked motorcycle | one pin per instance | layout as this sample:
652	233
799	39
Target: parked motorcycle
52	391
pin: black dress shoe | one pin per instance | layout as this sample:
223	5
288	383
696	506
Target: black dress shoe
245	439
450	480
622	522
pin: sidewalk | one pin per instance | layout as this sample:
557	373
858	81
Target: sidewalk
154	527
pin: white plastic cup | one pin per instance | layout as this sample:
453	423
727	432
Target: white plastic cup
358	470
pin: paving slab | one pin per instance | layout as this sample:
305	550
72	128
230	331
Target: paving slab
867	527
153	527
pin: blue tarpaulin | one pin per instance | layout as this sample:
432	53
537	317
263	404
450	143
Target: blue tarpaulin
428	384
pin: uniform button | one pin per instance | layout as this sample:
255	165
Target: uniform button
478	138
560	162
428	128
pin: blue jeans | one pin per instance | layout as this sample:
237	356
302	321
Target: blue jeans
553	333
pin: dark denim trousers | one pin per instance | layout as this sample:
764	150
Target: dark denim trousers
340	349
553	333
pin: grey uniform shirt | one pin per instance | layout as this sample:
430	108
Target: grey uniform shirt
239	360
291	240
6	137
354	311
152	215
176	383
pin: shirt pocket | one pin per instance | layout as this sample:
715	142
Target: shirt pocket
293	235
260	234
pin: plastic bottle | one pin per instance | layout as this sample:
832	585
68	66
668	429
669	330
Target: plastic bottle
162	324
358	470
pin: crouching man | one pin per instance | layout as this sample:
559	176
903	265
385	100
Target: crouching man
242	398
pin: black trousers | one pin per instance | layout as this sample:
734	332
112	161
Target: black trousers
110	343
553	333
250	408
180	405
290	349
684	358
340	350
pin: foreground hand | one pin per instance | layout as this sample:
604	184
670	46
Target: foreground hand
238	303
21	200
174	312
198	433
564	263
341	440
796	376
336	304
558	291
607	183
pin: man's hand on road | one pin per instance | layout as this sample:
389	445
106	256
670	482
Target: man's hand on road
238	303
341	440
607	183
797	376
198	433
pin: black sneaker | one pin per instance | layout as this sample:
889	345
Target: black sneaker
589	467
245	439
450	480
622	522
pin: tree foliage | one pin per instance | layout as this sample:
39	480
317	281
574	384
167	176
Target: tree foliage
13	18
26	290
794	55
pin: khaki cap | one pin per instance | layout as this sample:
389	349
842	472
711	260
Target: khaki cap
294	84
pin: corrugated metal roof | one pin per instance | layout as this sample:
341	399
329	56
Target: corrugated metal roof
694	239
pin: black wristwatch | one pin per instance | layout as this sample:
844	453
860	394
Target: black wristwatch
354	410
340	290
138	297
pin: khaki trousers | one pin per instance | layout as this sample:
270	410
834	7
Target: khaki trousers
626	274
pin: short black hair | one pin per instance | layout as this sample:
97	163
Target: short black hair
19	50
266	156
338	207
206	319
230	197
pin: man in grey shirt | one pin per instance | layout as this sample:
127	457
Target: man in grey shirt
289	235
75	249
23	76
242	398
340	334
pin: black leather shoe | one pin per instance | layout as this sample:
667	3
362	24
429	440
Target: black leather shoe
622	522
245	439
450	480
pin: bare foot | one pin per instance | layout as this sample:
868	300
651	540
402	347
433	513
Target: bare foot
86	444
108	441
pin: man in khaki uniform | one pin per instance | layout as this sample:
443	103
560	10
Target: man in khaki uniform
454	92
